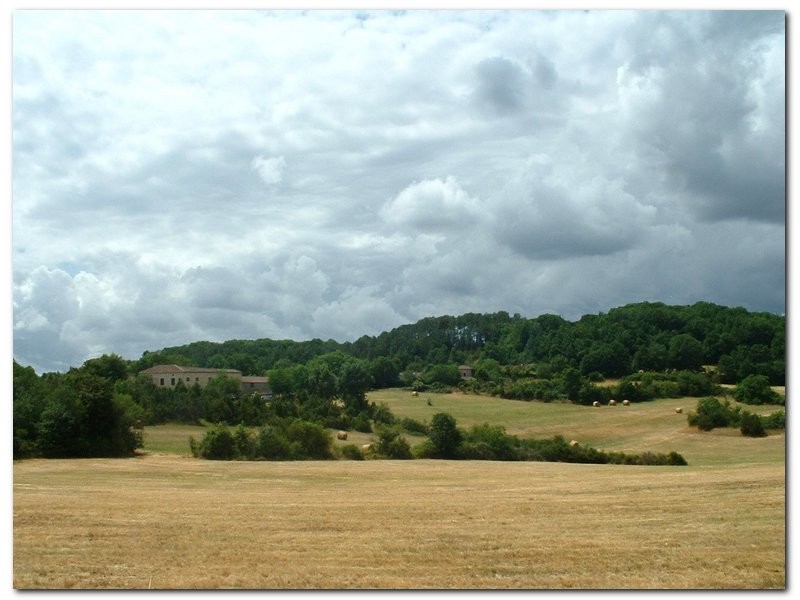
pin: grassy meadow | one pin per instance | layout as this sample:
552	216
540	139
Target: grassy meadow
165	520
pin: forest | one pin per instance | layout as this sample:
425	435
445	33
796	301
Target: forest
651	350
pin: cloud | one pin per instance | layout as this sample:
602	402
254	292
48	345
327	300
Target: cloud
548	212
431	205
701	114
501	85
269	169
188	175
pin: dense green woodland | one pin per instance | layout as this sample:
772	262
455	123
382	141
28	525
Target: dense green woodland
644	336
655	350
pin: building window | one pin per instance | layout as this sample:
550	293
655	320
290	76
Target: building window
162	381
172	381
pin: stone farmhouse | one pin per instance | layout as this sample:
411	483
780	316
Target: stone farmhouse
170	375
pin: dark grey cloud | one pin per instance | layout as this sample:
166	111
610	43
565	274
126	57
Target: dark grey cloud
186	175
501	85
700	108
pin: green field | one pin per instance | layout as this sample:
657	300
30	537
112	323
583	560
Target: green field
647	426
165	520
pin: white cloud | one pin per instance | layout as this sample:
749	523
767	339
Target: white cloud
431	205
269	169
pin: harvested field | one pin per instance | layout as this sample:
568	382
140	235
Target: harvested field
171	522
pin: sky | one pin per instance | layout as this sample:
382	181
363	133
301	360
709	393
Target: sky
209	175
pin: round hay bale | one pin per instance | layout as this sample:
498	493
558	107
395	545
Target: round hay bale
626	403
679	410
612	402
415	393
573	443
366	447
595	403
342	435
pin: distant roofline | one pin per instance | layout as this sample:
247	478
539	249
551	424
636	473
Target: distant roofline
156	369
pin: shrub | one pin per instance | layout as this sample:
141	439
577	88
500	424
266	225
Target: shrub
425	450
218	443
776	420
712	413
361	423
351	452
491	442
391	444
413	426
244	443
272	444
752	425
755	389
383	414
309	440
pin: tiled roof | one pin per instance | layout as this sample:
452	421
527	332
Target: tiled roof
158	369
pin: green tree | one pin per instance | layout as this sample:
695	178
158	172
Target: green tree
571	383
59	428
28	405
755	389
651	357
685	352
444	435
488	369
385	372
108	366
281	382
442	374
322	381
354	382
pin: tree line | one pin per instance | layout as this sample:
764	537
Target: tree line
649	336
655	350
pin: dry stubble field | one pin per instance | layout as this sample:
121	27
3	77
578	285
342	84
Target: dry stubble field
168	521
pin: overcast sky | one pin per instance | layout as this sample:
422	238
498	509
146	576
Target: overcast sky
193	175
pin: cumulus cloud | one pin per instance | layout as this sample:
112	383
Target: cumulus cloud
432	205
187	175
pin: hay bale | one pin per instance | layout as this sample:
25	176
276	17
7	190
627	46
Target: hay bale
415	394
679	410
612	402
595	403
342	435
366	447
573	443
626	403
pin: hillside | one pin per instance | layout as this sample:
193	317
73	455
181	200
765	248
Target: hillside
649	336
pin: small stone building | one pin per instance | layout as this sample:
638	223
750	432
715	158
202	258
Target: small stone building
465	371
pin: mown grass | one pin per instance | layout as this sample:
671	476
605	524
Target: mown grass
646	426
169	521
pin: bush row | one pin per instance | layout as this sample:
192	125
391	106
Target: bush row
712	413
